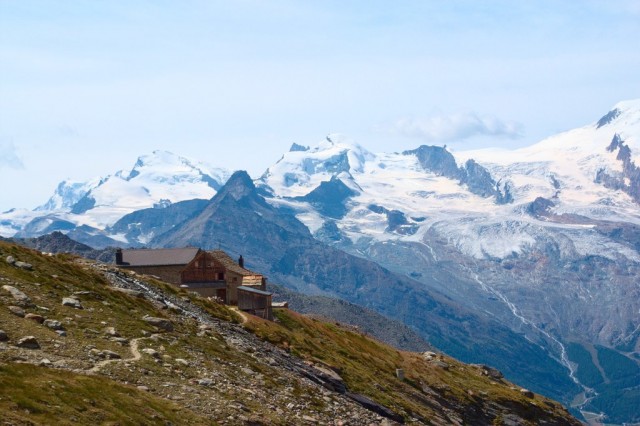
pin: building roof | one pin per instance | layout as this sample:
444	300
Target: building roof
159	257
231	264
254	290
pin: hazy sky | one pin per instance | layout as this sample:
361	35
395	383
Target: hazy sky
88	86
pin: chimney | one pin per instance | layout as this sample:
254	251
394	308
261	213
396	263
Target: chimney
241	261
119	257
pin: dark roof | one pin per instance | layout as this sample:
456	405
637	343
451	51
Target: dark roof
231	264
254	290
159	257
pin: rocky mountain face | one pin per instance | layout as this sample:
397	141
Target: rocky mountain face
544	238
239	220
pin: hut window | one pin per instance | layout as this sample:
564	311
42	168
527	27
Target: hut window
220	275
197	264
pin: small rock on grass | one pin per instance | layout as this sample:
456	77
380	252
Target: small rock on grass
53	324
161	323
71	301
20	298
28	342
3	336
17	311
35	317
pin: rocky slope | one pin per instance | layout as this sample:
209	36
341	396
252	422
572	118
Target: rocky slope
240	221
117	347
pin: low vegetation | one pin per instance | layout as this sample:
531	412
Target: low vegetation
109	365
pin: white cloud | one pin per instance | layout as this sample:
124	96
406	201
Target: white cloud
456	127
9	156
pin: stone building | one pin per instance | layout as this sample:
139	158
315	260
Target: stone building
209	273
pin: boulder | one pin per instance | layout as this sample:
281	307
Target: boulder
17	311
526	392
35	317
161	323
10	260
23	265
151	352
20	298
111	355
111	331
28	342
53	324
71	301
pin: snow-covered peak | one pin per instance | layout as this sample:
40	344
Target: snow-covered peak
302	169
67	194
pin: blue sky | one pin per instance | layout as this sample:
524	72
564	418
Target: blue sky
87	86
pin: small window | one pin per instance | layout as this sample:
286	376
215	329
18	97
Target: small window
197	264
221	276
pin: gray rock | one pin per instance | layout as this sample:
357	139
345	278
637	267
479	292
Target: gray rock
526	392
28	342
151	352
111	331
45	363
161	323
182	362
61	333
111	355
3	336
10	260
71	301
35	317
205	382
20	298
53	324
17	311
23	265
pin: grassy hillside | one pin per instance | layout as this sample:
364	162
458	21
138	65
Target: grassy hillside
132	350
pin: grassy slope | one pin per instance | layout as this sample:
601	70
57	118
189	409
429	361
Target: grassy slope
369	367
35	395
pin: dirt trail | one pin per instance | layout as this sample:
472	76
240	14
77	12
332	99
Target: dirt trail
133	345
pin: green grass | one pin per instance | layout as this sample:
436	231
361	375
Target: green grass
368	367
47	396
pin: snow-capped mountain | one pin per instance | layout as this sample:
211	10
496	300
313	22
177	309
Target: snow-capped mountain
544	238
581	172
156	180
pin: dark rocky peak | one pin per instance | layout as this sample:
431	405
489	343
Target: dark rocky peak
436	159
608	118
238	186
616	142
629	180
478	179
295	147
540	207
85	203
330	197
